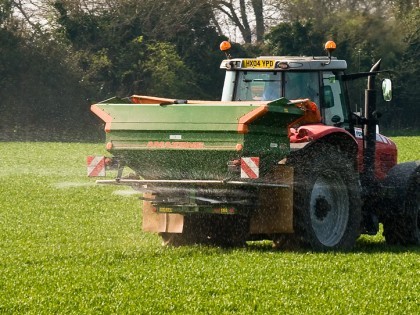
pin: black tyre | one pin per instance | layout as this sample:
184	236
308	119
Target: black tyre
402	224
327	207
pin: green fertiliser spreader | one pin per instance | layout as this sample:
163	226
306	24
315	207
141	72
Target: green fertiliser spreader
280	157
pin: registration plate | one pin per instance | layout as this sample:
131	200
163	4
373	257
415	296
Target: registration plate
258	64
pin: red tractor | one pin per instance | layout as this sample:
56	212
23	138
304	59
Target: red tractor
280	157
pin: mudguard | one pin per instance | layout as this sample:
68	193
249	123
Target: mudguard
313	134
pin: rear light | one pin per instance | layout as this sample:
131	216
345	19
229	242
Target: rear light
234	166
239	147
109	146
236	162
108	161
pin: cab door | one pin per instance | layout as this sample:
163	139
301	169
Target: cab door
334	108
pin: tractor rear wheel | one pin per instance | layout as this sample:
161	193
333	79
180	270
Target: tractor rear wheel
403	227
327	209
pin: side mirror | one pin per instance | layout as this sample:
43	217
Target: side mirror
387	89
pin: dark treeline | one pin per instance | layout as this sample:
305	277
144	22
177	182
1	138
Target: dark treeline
58	57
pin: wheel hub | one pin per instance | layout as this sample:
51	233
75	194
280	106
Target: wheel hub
329	207
322	207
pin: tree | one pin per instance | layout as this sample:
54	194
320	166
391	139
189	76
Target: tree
295	38
167	73
321	10
249	16
114	45
5	11
406	111
404	7
55	54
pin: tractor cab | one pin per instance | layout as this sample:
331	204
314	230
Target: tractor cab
271	78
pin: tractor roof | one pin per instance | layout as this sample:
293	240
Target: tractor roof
278	63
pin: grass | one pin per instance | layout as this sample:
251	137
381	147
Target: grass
68	246
409	148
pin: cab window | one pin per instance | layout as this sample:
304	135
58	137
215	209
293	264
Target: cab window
300	85
333	105
257	86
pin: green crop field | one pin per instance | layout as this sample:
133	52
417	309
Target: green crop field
68	246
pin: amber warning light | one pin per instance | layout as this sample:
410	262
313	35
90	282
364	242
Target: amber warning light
330	46
225	47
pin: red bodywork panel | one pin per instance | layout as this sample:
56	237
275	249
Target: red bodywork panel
386	150
385	155
313	132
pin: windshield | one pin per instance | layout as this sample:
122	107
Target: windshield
258	85
302	85
270	85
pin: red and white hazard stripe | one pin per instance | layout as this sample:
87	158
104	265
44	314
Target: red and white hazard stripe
95	166
250	167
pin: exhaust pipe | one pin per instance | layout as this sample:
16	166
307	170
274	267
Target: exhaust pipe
369	132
